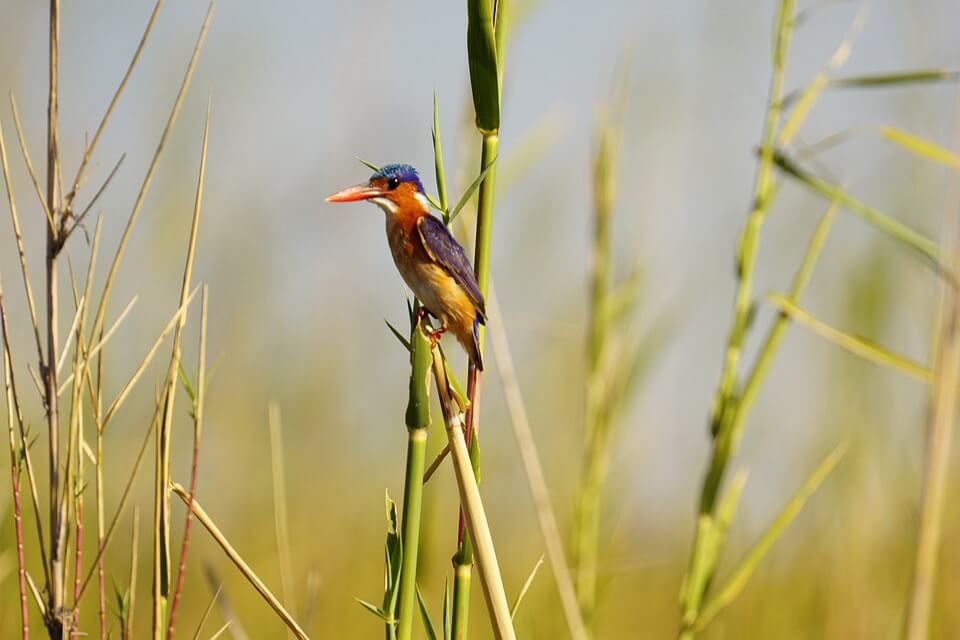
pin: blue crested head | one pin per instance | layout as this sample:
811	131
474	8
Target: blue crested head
399	173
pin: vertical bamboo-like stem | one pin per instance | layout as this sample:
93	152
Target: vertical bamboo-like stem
49	368
726	400
463	559
941	418
725	424
486	29
14	476
490	581
417	421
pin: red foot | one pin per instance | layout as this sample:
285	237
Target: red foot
434	336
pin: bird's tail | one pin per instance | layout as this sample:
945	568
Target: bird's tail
468	335
475	356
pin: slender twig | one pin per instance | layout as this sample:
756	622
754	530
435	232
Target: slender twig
476	520
148	178
128	386
238	561
97	404
31	305
124	496
24	441
102	340
78	220
127	630
195	462
88	151
161	515
206	612
15	486
24	150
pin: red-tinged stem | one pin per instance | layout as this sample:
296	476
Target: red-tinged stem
77	568
473	385
101	578
101	583
21	565
182	569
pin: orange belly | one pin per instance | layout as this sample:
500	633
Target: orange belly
433	286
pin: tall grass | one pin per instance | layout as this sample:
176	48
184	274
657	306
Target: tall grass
701	599
77	399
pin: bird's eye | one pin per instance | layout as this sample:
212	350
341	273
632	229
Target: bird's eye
393	183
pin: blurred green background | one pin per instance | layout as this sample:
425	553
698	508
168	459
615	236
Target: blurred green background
300	289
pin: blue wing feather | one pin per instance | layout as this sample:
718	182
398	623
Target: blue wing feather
448	253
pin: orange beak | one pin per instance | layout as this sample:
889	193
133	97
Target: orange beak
356	193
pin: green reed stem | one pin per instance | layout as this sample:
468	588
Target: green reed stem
587	525
418	421
463	559
703	555
486	30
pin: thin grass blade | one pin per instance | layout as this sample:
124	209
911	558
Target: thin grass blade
735	584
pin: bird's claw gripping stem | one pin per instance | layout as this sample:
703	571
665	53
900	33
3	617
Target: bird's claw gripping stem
433	335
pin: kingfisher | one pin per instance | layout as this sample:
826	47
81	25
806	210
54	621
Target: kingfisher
428	257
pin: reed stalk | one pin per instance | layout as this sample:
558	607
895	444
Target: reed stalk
161	548
238	561
941	418
486	29
535	476
596	418
417	422
197	412
491	582
705	546
48	367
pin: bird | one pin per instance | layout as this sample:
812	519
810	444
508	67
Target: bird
428	257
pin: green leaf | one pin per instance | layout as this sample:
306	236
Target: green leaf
735	584
425	616
855	345
372	609
465	198
920	147
186	384
482	58
447	613
394	561
525	588
368	164
926	247
897	78
438	159
398	335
